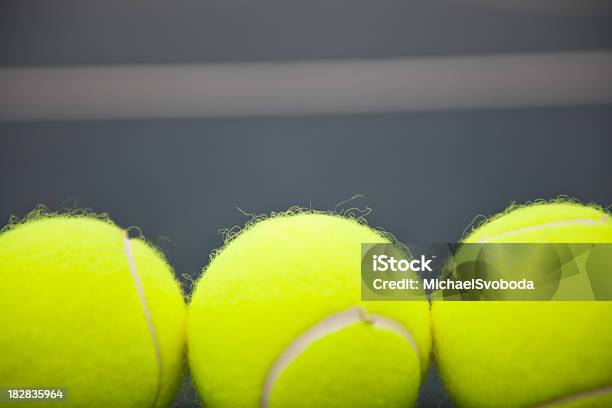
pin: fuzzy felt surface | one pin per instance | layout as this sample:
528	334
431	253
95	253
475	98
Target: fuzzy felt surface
71	315
528	354
275	281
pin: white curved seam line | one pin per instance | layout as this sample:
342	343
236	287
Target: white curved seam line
575	397
325	327
554	224
145	310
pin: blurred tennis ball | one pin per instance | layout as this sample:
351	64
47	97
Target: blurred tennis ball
87	309
277	321
529	353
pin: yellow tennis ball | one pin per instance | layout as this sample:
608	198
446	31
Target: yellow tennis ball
86	309
529	353
277	321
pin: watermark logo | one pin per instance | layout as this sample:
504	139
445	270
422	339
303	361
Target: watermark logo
486	271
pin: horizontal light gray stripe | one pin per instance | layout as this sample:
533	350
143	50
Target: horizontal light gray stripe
570	8
302	88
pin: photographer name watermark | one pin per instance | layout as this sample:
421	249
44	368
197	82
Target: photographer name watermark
487	272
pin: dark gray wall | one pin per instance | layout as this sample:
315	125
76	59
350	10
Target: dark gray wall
425	175
35	32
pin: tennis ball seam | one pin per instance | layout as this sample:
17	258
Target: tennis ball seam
575	222
331	324
565	223
127	246
577	396
481	220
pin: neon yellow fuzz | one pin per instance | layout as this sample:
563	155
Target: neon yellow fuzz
277	322
84	308
529	354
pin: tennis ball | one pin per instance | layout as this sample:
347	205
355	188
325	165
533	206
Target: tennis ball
277	321
529	353
86	309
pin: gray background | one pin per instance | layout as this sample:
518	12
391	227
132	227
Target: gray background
426	175
38	32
